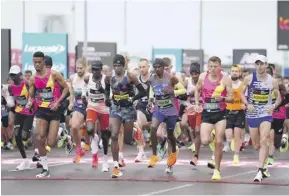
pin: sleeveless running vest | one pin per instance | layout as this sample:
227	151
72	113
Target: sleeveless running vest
144	101
122	91
77	86
260	96
191	87
95	97
165	103
237	102
209	90
47	90
280	113
21	95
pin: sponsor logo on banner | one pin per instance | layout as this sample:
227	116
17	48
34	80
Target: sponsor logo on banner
190	56
283	25
246	57
102	51
176	56
5	54
54	45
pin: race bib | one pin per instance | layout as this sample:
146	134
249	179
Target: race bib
46	94
121	97
166	103
97	98
21	101
260	96
212	106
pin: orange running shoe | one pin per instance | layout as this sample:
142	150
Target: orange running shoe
121	162
78	154
153	161
116	172
94	160
172	159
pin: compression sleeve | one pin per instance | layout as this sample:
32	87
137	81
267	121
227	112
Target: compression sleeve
141	92
179	89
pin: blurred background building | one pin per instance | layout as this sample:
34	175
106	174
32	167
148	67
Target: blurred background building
138	27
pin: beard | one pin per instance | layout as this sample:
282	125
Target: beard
234	78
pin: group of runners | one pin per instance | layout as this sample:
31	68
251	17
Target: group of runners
102	107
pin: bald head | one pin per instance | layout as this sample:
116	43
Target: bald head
144	66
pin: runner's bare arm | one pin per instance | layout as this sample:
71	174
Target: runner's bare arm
71	91
60	80
276	92
245	84
229	89
31	90
141	91
198	88
179	89
84	89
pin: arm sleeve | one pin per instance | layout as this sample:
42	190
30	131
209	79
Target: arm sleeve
179	89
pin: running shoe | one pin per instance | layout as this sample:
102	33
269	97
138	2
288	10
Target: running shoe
116	172
216	175
43	174
24	165
172	159
78	154
161	149
236	159
153	161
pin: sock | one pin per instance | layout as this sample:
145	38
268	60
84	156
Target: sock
105	158
120	154
44	162
141	149
94	144
115	164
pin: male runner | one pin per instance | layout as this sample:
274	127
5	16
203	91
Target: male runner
45	86
23	116
194	118
259	105
144	116
235	115
7	101
164	88
122	111
79	104
279	116
216	91
97	110
27	75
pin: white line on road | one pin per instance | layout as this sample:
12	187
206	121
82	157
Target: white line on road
189	185
52	165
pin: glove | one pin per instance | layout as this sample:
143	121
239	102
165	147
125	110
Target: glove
107	102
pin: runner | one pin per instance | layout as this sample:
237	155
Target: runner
162	88
23	116
279	116
259	105
7	101
194	118
122	111
235	115
27	75
216	91
46	86
144	116
97	110
79	104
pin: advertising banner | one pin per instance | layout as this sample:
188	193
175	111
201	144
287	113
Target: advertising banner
176	56
190	56
283	25
246	57
53	44
103	51
5	54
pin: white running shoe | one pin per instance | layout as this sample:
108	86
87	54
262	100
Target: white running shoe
140	157
169	170
24	165
258	177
